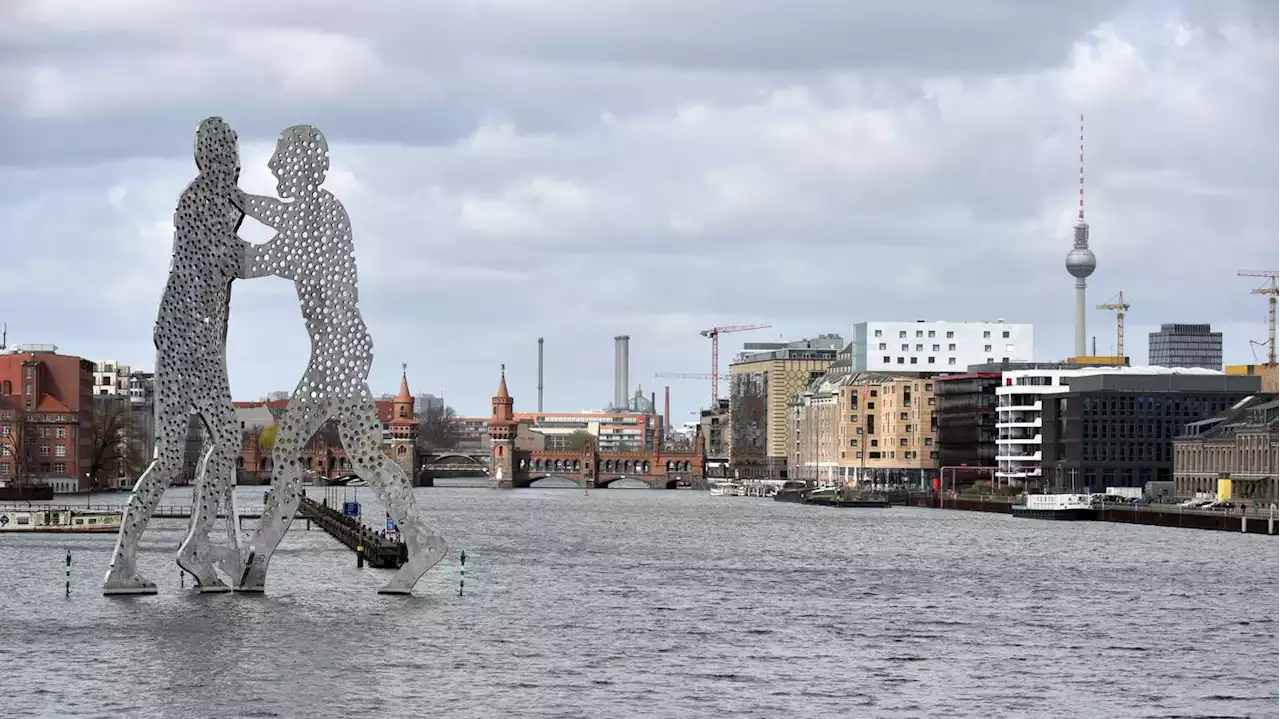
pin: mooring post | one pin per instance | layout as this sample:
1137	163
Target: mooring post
462	571
1271	519
359	556
68	572
182	578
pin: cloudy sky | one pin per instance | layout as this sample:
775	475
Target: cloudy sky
577	169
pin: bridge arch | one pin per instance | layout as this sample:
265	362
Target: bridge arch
447	459
535	477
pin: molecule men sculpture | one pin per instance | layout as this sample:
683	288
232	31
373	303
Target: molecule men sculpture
313	248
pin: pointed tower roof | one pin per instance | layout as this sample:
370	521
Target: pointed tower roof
502	386
404	395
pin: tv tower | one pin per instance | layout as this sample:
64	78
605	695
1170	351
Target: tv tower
1080	260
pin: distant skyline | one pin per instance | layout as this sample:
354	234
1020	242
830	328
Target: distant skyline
579	170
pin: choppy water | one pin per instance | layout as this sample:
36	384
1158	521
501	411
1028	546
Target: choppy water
665	604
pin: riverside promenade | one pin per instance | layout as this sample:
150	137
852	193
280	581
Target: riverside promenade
1264	520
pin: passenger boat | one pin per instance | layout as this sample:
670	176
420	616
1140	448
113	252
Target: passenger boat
60	520
1055	506
724	489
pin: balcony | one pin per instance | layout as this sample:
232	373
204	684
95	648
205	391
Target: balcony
1033	407
1031	439
1011	453
1020	420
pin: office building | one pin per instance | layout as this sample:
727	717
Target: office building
763	379
110	379
938	347
1115	427
1179	345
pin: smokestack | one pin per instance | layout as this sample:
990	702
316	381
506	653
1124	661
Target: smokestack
621	381
539	374
666	411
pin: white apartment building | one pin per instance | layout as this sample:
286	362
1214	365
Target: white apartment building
922	346
1020	399
110	378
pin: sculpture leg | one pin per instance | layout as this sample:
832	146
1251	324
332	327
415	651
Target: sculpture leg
216	478
361	433
300	423
171	428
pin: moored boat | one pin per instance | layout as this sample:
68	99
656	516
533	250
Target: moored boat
60	520
1055	506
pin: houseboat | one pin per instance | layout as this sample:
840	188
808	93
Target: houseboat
60	520
1055	506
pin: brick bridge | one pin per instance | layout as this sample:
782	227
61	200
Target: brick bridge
660	469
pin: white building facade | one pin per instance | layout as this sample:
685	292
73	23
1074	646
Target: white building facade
922	346
110	379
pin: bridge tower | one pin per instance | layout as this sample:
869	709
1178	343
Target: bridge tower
502	437
403	446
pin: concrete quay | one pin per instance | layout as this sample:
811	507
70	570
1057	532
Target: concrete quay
1262	521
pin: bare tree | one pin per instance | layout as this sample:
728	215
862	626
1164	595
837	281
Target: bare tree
577	439
17	443
438	429
115	449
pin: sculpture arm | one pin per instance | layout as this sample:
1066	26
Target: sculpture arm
269	211
254	262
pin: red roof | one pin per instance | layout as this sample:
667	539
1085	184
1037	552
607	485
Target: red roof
49	404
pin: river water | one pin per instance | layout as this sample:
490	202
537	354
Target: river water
664	604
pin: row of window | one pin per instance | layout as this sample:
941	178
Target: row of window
933	360
46	432
58	450
1182	406
902	334
59	467
910	454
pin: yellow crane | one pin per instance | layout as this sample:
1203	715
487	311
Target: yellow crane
1271	291
1118	304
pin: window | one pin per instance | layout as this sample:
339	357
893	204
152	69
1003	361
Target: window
951	348
913	360
937	347
901	361
950	334
986	334
928	386
919	348
906	348
986	348
887	360
44	450
951	360
904	415
4	430
4	467
902	334
1005	334
879	333
884	346
60	467
59	451
931	360
931	333
60	433
928	441
991	360
919	334
902	442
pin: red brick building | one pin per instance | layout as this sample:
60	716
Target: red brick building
324	455
46	417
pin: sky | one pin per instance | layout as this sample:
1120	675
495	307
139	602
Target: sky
579	169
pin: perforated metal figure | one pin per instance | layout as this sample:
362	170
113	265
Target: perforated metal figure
313	247
191	371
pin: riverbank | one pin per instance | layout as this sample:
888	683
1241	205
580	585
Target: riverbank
1161	515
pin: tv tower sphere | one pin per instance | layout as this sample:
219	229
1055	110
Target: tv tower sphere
1081	262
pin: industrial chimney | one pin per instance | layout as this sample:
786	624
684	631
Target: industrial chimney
539	374
621	370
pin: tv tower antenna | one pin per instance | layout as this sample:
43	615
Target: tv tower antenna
1080	260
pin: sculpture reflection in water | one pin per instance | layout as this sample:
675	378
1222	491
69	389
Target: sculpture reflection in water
313	248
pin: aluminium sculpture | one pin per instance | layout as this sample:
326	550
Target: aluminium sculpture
191	372
313	248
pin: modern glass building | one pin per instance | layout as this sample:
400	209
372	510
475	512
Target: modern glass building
1178	345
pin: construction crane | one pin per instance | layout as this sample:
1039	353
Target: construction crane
1271	291
1118	304
714	333
689	375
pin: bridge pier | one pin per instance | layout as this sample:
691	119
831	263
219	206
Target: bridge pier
500	483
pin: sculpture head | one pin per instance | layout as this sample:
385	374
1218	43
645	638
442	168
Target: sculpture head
300	161
217	150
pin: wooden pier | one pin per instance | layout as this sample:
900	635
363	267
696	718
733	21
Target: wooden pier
380	551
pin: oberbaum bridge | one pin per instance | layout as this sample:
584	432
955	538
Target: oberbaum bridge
509	467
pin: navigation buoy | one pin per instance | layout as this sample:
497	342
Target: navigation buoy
68	572
462	571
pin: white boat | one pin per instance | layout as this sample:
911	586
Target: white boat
724	489
1055	506
61	520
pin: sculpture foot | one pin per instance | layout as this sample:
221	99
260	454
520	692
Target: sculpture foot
424	556
202	570
125	585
